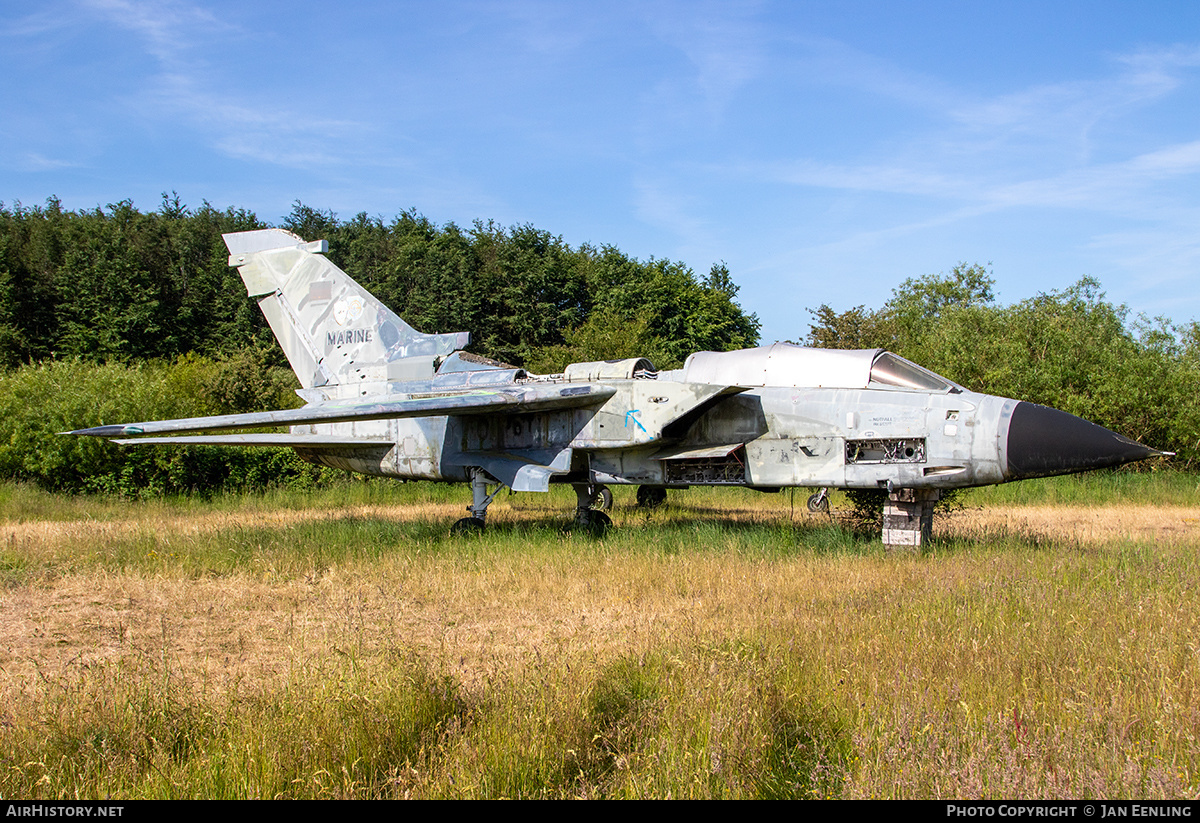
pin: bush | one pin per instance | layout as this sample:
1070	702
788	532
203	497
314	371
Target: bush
39	403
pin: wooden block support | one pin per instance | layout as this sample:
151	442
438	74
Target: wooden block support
908	517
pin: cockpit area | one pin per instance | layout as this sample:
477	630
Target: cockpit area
893	370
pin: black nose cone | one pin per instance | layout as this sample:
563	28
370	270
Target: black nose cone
1044	441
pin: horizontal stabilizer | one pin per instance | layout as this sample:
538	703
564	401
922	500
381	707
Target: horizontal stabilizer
515	400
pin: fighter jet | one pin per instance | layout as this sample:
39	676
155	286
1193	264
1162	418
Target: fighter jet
385	399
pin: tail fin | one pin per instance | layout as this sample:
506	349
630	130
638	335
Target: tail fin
331	329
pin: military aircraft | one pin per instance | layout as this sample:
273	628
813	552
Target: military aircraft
385	399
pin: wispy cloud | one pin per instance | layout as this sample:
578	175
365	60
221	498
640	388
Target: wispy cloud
1071	122
813	61
1160	67
34	162
1129	187
665	207
168	29
544	28
177	34
980	162
723	44
265	131
878	178
1169	161
36	24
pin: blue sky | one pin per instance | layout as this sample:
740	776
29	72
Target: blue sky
825	151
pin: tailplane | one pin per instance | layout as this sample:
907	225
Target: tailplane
332	330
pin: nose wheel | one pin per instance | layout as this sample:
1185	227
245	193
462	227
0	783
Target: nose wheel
819	502
468	525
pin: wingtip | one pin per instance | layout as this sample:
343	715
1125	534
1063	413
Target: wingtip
117	430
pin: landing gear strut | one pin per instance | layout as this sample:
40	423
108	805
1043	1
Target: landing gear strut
591	499
480	500
819	502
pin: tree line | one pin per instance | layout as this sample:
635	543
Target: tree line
116	284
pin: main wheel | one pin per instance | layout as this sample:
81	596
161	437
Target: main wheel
603	500
651	497
468	525
598	523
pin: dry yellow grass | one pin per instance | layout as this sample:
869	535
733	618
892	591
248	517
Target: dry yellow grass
1076	522
51	532
480	616
1085	524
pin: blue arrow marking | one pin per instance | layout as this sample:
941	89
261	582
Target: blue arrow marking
629	415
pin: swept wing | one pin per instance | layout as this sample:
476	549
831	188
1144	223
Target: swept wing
509	400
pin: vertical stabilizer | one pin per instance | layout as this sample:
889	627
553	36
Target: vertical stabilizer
332	330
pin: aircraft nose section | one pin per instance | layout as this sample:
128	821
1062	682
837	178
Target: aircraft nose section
1044	441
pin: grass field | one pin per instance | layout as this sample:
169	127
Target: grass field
342	644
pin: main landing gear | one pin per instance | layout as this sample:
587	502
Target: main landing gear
603	499
592	501
651	497
480	500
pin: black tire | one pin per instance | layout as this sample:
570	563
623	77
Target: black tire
468	525
818	503
598	523
603	500
651	497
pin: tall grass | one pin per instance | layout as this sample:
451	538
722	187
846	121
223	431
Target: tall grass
1160	486
719	647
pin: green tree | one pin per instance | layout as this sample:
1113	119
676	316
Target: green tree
605	336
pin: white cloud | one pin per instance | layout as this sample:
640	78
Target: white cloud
35	162
658	204
168	28
185	93
722	43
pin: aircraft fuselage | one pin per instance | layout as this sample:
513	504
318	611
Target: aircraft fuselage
764	437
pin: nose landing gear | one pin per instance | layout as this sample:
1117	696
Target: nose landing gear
819	502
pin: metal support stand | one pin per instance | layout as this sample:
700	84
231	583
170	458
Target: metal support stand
908	517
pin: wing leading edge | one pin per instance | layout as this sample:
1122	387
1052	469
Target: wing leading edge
509	400
298	441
